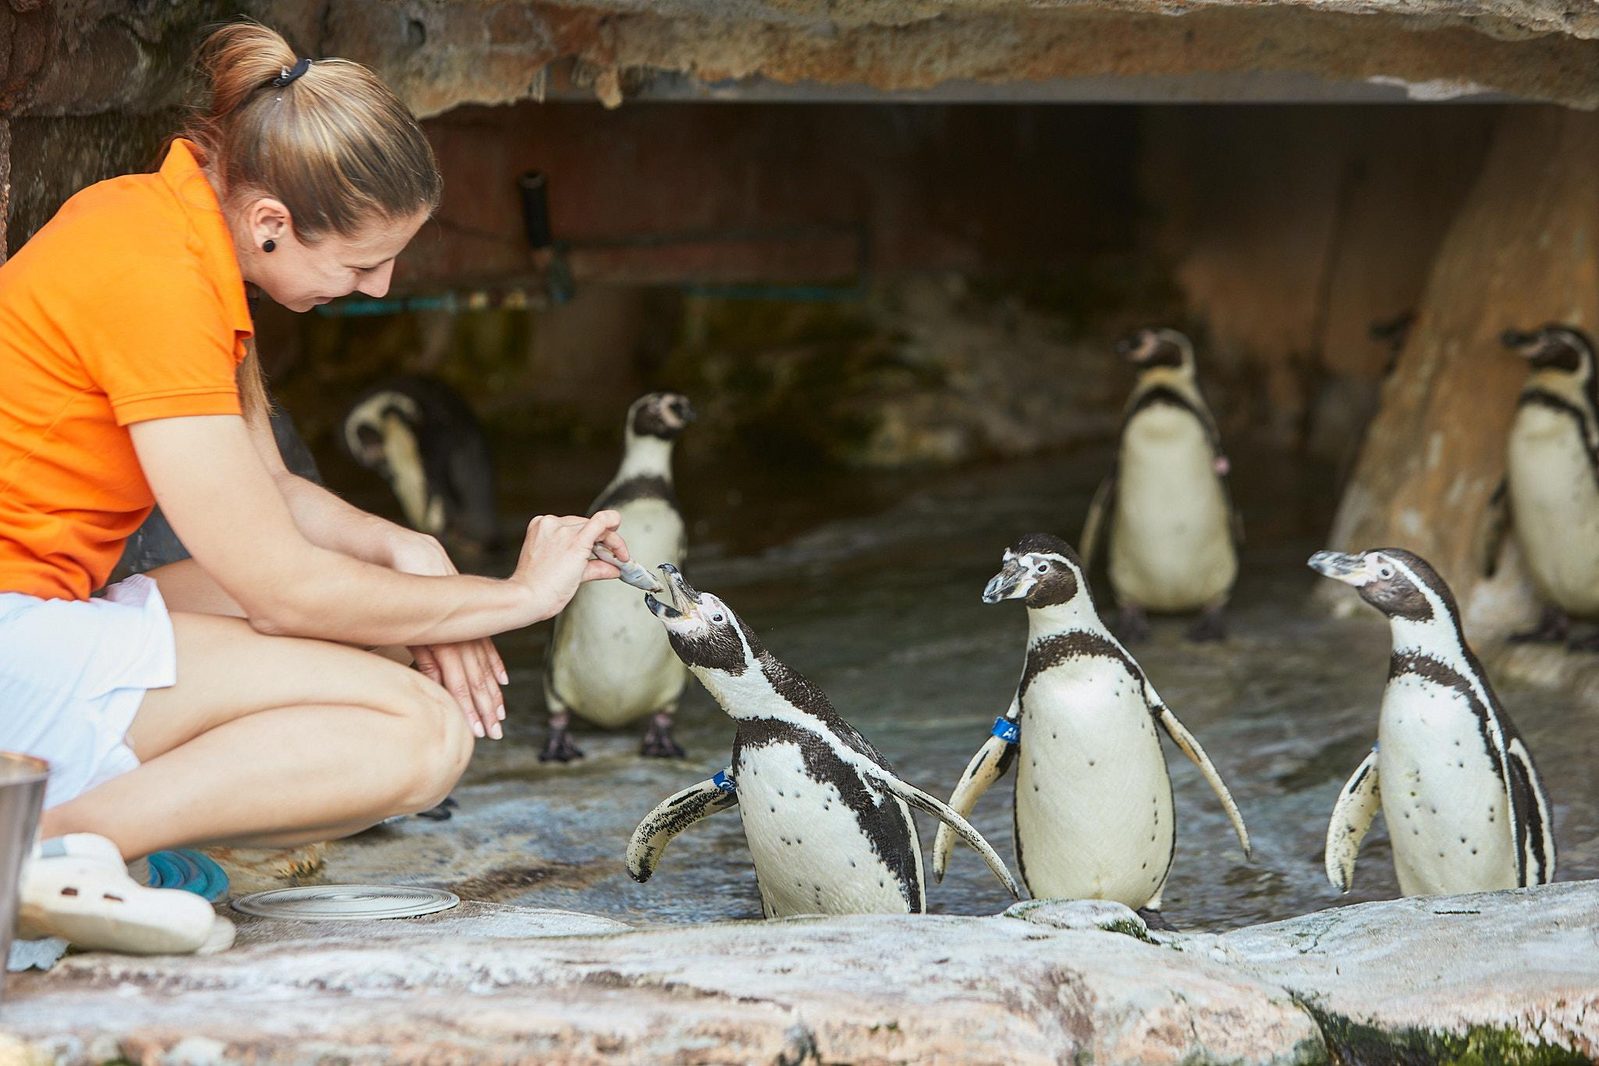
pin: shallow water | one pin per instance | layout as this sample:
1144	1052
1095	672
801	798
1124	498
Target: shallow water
869	585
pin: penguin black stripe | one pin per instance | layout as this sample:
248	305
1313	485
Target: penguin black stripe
1439	673
1586	431
1530	830
1165	394
881	819
1052	651
643	487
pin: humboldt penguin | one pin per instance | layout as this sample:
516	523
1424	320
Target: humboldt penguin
1550	494
1093	804
1173	530
825	817
608	661
1455	781
422	438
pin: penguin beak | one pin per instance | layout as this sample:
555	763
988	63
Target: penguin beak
685	601
1005	585
1523	344
686	412
1133	348
1341	566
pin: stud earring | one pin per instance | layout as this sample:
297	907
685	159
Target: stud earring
268	244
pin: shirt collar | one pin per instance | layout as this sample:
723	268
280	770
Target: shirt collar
181	171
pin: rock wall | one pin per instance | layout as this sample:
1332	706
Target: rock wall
1522	250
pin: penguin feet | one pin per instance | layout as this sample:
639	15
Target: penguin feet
559	747
1132	625
1153	919
1552	629
1211	626
658	742
442	813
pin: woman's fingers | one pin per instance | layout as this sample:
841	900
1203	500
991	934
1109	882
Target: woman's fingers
466	676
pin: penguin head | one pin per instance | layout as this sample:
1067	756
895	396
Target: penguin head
1150	348
374	422
1562	349
1400	584
1039	569
703	631
659	414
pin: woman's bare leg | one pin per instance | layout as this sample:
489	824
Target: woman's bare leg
273	740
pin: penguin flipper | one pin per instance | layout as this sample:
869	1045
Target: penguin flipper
1491	530
923	802
1357	805
1097	522
986	767
673	815
1196	754
1529	813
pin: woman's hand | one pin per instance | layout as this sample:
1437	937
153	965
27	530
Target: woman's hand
558	556
472	670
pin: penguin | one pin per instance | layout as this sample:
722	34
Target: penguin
1092	816
826	818
421	437
1172	528
1550	494
1465	809
608	661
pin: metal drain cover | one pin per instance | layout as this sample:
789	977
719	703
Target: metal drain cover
342	903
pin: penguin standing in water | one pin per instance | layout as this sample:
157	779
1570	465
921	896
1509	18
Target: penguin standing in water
1551	489
1173	531
825	816
1456	784
609	661
1093	808
420	436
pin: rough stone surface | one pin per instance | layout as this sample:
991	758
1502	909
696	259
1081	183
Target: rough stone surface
498	984
1523	250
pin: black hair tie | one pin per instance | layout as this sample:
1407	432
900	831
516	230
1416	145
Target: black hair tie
289	74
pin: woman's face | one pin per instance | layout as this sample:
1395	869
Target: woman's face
301	276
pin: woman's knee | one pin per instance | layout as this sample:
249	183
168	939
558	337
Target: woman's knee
440	743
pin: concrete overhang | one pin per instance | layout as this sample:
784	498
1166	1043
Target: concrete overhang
90	56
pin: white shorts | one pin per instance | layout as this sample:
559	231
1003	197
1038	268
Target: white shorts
72	676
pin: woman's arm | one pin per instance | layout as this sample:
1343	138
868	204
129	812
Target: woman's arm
223	502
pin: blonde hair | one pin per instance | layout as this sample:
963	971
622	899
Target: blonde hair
335	145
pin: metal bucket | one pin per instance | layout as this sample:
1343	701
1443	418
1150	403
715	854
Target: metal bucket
22	780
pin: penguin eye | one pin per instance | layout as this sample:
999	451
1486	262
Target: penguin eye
1043	568
718	617
1385	572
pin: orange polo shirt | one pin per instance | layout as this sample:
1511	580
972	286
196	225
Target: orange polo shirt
128	305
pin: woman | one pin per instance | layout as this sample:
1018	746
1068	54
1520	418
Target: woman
226	698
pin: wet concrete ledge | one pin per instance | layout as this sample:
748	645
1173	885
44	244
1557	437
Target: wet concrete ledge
1508	976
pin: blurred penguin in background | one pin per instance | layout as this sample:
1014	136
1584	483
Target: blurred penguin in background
422	438
609	660
1173	532
1550	495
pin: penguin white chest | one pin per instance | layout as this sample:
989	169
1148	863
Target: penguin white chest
813	854
611	660
1093	798
1171	544
1555	506
1445	805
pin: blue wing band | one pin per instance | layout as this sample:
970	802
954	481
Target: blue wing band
1007	730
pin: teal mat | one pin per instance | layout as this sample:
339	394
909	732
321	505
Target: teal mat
192	871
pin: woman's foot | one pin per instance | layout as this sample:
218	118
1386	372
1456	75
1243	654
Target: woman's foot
76	887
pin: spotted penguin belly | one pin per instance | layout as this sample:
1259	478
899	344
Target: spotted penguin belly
1093	816
1171	543
1445	805
1555	507
812	854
